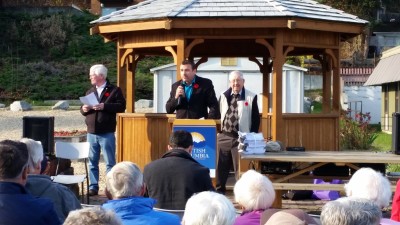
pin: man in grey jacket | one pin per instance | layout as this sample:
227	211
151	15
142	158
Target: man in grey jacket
64	199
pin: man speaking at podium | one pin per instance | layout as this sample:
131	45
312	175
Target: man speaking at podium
192	95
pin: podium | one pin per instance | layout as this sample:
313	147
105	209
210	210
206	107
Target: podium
204	133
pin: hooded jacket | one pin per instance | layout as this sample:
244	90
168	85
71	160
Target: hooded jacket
139	211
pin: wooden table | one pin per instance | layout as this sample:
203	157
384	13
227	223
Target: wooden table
315	159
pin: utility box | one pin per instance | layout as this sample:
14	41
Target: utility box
40	129
396	133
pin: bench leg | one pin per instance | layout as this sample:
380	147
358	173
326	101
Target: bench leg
278	200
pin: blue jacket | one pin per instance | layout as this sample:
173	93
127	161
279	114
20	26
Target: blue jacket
17	207
139	211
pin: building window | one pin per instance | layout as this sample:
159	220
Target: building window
228	61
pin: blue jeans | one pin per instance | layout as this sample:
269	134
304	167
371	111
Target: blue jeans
105	142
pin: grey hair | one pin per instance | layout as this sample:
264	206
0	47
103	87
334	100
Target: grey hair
254	191
348	211
124	180
35	150
209	208
92	215
370	184
235	72
99	70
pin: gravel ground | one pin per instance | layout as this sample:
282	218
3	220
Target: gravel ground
11	122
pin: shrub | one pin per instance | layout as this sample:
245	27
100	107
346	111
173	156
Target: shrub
356	134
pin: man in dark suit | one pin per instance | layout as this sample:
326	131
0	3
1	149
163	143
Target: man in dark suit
239	112
192	95
174	178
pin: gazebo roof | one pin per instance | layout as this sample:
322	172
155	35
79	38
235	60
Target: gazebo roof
186	9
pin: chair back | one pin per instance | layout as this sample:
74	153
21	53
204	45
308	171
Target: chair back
72	150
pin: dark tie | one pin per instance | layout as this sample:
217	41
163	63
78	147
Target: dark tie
231	118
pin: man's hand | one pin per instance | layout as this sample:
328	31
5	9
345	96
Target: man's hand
180	91
98	107
86	108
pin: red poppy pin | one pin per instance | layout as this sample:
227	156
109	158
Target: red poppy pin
196	86
106	94
246	103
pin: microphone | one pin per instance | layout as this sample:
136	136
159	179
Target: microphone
180	96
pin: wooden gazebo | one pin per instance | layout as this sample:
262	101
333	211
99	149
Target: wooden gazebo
270	30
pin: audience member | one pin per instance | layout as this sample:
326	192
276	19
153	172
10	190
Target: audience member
192	97
254	193
239	112
351	211
208	208
124	185
285	218
17	206
372	185
93	216
174	178
396	203
63	198
298	213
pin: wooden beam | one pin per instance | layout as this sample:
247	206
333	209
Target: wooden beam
195	42
180	50
173	52
132	26
277	120
265	43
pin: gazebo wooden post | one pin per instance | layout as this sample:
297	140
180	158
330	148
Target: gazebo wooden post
277	118
326	86
180	55
121	71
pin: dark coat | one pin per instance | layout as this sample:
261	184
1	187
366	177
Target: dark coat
202	97
174	178
17	206
105	121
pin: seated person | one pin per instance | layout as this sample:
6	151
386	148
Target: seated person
63	198
254	193
298	214
351	211
125	188
92	215
209	208
17	206
372	185
285	218
174	178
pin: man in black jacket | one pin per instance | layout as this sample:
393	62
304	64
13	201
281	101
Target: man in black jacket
101	122
191	96
174	178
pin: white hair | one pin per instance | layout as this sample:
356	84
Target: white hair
92	215
348	210
99	70
370	184
235	73
209	208
35	150
124	180
253	191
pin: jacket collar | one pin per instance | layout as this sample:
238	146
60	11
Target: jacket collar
178	153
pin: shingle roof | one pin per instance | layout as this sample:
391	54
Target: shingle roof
159	9
387	70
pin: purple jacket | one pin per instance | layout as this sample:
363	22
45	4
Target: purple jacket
249	218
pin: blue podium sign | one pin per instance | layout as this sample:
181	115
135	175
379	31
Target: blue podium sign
204	133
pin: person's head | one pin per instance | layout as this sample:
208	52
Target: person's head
208	208
13	161
348	211
253	191
188	71
98	74
284	218
181	139
370	184
35	150
92	215
236	81
124	180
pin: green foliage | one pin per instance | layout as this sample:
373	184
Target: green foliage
355	134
